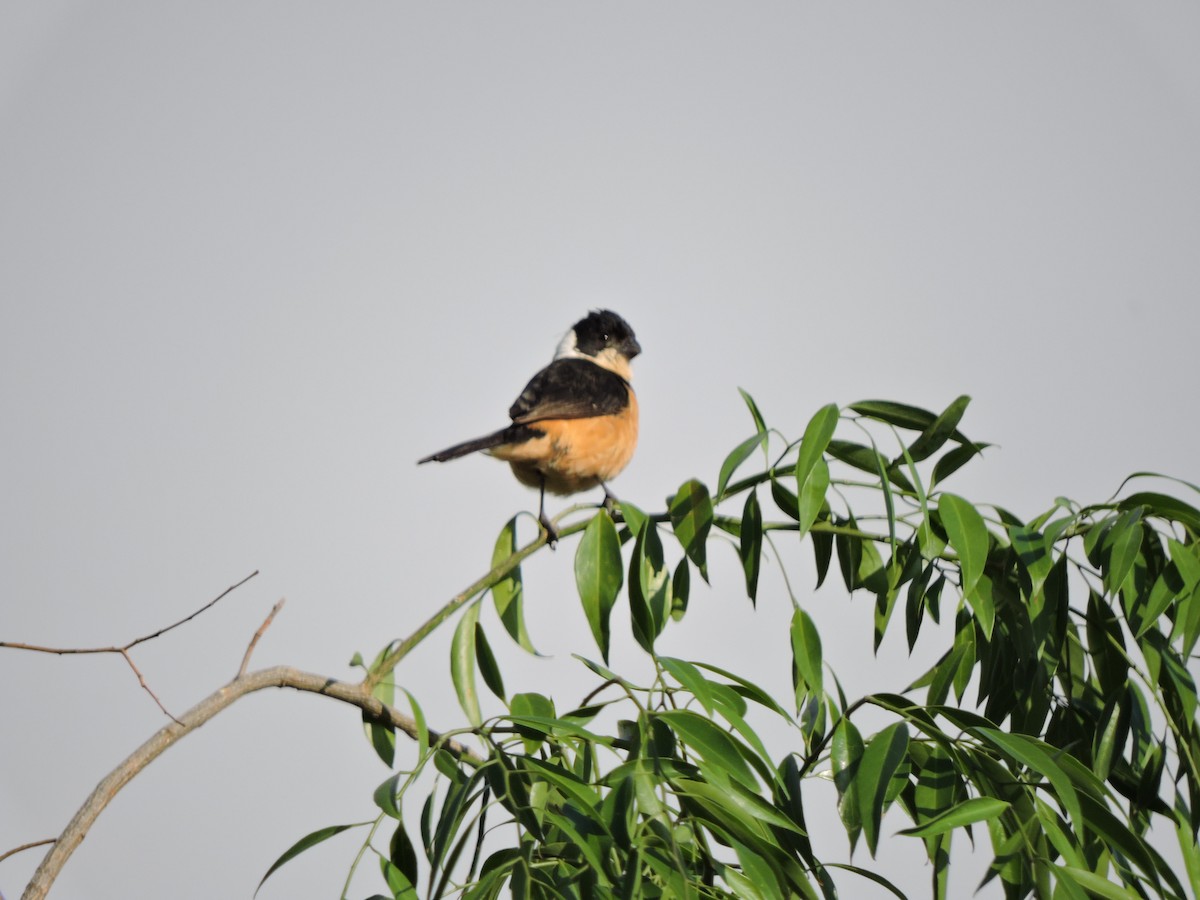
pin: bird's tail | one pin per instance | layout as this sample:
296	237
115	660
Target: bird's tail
482	443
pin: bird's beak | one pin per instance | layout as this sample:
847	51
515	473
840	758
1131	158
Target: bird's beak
630	347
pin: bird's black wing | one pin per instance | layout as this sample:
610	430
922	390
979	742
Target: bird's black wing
570	389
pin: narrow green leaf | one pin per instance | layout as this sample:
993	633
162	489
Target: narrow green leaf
508	594
736	457
750	544
822	544
806	654
759	422
1166	507
680	588
487	663
713	744
462	665
691	679
977	809
309	840
868	460
901	415
691	515
599	575
1038	756
402	855
880	759
649	588
940	430
845	757
1125	540
531	705
1095	885
736	799
969	537
870	876
422	727
817	435
953	460
811	499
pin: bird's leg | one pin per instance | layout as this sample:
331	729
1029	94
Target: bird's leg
611	503
543	519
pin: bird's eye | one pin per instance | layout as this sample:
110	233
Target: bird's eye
604	338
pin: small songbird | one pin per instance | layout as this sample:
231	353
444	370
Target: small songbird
575	425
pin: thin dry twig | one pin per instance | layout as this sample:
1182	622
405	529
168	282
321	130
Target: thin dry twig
258	634
124	649
15	850
146	687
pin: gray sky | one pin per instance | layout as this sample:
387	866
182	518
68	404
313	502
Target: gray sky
256	259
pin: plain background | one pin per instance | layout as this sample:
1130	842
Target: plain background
256	259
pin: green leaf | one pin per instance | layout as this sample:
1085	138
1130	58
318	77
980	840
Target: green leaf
462	665
806	654
680	588
868	460
750	543
880	760
1039	757
487	663
691	515
508	593
817	435
1034	555
953	460
599	575
309	840
402	855
634	518
969	537
811	499
531	705
1166	507
649	587
1095	885
977	809
1125	541
845	757
714	745
736	457
736	799
422	727
940	430
901	415
759	423
689	676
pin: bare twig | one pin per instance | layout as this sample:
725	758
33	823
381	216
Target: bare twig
63	651
258	634
15	850
277	677
146	687
124	649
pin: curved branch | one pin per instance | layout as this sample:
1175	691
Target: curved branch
276	677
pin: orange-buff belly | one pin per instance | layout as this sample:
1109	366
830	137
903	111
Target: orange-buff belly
575	454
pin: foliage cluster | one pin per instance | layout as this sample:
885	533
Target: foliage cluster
1060	720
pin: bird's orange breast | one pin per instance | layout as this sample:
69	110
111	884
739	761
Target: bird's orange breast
575	454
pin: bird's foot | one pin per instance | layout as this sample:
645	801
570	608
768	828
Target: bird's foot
551	531
612	506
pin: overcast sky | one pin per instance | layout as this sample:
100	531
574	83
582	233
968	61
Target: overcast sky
256	259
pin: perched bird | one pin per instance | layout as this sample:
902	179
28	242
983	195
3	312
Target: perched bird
575	425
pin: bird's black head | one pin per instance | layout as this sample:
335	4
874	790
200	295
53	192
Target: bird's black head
602	330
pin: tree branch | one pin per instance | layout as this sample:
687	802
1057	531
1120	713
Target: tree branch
358	695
